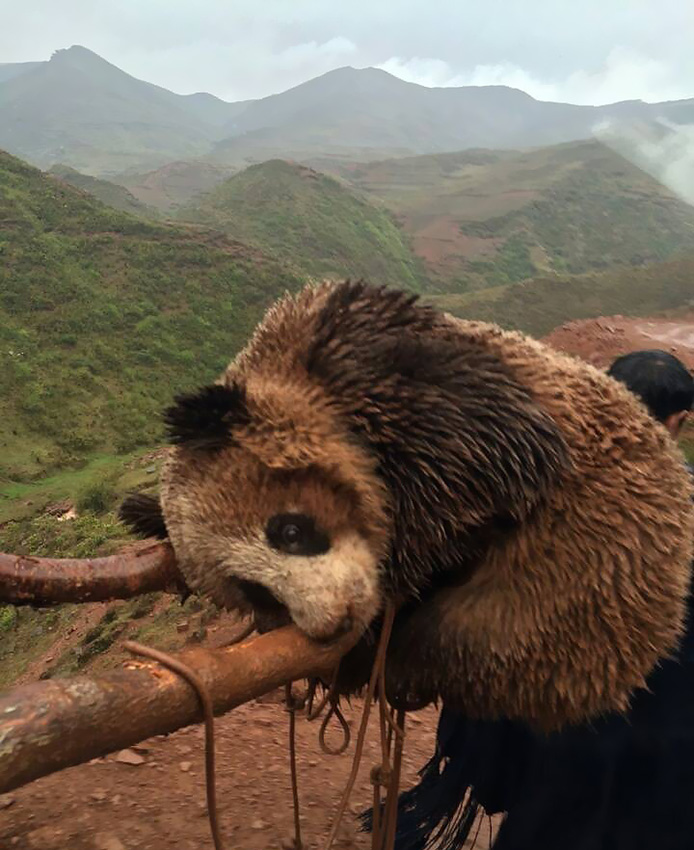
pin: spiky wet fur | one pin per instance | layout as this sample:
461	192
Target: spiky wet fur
523	507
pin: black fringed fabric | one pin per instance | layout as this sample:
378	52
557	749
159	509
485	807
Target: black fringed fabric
473	770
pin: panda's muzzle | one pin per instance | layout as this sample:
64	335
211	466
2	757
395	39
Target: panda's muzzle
268	611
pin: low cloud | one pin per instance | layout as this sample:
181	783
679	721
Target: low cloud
665	151
625	74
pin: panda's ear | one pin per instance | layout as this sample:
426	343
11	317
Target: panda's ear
205	419
143	516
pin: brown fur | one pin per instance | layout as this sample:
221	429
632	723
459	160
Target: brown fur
533	519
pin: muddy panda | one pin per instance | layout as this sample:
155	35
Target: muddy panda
525	513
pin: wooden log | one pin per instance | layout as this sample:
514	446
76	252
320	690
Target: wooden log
48	726
51	581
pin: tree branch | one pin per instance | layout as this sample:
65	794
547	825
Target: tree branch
51	581
48	726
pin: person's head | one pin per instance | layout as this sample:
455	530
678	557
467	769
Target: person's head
661	381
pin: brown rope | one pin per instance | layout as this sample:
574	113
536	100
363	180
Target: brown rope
383	700
390	817
312	714
480	821
346	732
292	706
378	668
206	702
329	696
310	697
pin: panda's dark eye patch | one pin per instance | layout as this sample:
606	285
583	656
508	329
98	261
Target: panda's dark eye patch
296	534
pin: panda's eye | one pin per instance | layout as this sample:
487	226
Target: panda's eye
296	534
291	534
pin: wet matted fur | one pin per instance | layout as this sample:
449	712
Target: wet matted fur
530	518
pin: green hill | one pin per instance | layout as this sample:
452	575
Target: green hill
174	184
483	218
103	316
108	193
538	306
309	220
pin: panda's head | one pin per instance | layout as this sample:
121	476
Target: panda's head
272	507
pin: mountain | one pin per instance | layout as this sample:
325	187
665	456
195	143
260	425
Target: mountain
481	218
350	113
174	184
82	111
108	193
538	306
8	70
104	316
311	221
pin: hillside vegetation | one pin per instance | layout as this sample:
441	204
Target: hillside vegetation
311	221
482	218
108	193
537	306
104	316
174	184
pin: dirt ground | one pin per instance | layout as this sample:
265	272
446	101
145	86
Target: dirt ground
159	803
599	341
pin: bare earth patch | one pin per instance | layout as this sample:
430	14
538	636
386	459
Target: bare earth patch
599	341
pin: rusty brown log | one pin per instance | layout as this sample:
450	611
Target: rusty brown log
48	726
51	581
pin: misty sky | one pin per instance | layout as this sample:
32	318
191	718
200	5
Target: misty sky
579	51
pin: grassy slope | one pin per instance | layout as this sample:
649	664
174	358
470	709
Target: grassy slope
108	193
537	306
311	221
487	218
104	316
25	528
174	184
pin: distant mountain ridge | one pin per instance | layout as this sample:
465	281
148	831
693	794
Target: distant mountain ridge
80	110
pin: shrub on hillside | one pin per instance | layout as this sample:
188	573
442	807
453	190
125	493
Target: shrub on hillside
97	498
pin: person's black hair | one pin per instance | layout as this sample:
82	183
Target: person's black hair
661	381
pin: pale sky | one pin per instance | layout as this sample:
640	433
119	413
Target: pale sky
578	51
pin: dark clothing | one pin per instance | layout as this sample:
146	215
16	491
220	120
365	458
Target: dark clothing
620	783
626	783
